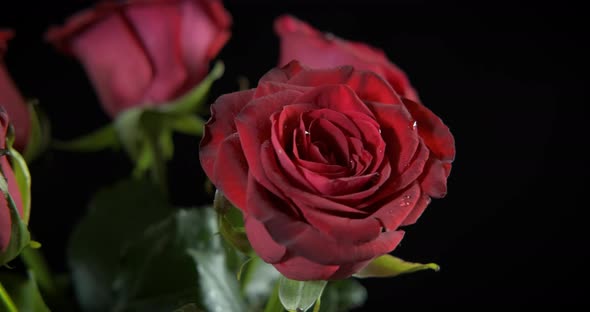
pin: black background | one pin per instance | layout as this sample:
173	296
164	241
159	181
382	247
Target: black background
508	78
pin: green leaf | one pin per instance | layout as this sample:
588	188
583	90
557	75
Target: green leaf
299	295
19	234
182	259
390	266
23	180
23	292
40	132
195	98
116	215
102	138
343	295
219	286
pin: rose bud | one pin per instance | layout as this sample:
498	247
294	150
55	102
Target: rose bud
300	41
7	174
325	165
144	52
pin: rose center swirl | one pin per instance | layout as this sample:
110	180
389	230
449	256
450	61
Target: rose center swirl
330	152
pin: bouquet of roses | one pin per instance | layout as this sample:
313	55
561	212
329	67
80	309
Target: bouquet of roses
312	170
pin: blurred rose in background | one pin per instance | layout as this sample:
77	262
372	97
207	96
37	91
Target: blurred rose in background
11	100
300	41
144	52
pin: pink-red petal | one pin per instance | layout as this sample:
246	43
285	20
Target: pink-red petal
220	126
433	131
262	241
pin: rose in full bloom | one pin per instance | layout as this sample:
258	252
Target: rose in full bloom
326	165
12	101
7	174
145	52
300	41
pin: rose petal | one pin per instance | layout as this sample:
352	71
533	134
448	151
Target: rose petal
397	183
398	131
396	210
287	121
220	126
204	31
289	168
98	50
158	26
262	242
269	87
301	269
434	178
322	130
305	241
344	229
319	50
344	123
340	98
230	172
284	188
254	127
346	270
418	210
365	198
282	74
433	131
15	107
369	86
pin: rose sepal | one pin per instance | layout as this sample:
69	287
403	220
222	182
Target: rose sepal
298	296
19	233
390	266
231	224
40	132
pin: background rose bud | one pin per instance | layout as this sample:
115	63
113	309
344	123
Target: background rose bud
12	101
7	173
325	165
144	52
300	41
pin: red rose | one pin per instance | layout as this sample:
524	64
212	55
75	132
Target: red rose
7	173
325	165
12	101
299	41
145	52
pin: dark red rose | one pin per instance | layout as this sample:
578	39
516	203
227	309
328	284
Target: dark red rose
12	100
325	165
7	174
300	41
145	52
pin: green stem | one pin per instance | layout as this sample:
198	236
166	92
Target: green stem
35	262
5	299
274	303
158	166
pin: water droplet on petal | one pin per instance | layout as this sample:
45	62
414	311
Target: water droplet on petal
407	196
379	130
414	125
404	204
329	36
306	132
